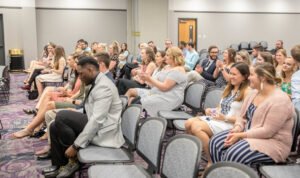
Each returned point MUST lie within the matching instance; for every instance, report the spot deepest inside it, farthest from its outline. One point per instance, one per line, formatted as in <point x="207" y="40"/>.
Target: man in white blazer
<point x="100" y="124"/>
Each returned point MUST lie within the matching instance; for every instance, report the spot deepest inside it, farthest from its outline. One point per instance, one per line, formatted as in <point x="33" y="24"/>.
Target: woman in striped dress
<point x="263" y="132"/>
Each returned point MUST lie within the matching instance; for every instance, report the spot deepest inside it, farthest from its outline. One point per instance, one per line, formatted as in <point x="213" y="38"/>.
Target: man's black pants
<point x="63" y="132"/>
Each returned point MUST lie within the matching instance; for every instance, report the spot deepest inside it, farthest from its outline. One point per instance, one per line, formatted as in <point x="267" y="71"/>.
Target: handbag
<point x="33" y="94"/>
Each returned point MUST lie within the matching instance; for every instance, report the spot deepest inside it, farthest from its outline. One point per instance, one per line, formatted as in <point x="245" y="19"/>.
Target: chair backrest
<point x="129" y="58"/>
<point x="234" y="46"/>
<point x="296" y="129"/>
<point x="129" y="123"/>
<point x="182" y="157"/>
<point x="252" y="44"/>
<point x="230" y="170"/>
<point x="124" y="100"/>
<point x="244" y="45"/>
<point x="202" y="51"/>
<point x="194" y="94"/>
<point x="151" y="133"/>
<point x="264" y="44"/>
<point x="213" y="97"/>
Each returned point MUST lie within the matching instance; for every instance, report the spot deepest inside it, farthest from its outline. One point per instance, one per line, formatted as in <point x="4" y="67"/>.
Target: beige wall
<point x="65" y="27"/>
<point x="233" y="21"/>
<point x="153" y="21"/>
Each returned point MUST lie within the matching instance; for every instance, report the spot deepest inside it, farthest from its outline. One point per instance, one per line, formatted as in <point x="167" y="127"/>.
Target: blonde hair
<point x="245" y="56"/>
<point x="177" y="56"/>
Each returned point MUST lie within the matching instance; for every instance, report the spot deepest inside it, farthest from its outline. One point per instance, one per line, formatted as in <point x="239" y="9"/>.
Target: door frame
<point x="2" y="19"/>
<point x="196" y="30"/>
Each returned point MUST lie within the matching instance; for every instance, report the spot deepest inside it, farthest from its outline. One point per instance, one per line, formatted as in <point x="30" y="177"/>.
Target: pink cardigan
<point x="272" y="123"/>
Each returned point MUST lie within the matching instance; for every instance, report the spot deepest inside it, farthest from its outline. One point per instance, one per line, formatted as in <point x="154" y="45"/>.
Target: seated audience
<point x="264" y="57"/>
<point x="41" y="68"/>
<point x="113" y="51"/>
<point x="160" y="61"/>
<point x="183" y="48"/>
<point x="98" y="125"/>
<point x="102" y="47"/>
<point x="223" y="117"/>
<point x="207" y="68"/>
<point x="295" y="81"/>
<point x="263" y="132"/>
<point x="221" y="72"/>
<point x="255" y="51"/>
<point x="168" y="44"/>
<point x="123" y="55"/>
<point x="243" y="56"/>
<point x="54" y="100"/>
<point x="191" y="57"/>
<point x="279" y="59"/>
<point x="103" y="61"/>
<point x="167" y="91"/>
<point x="148" y="66"/>
<point x="278" y="45"/>
<point x="55" y="74"/>
<point x="288" y="68"/>
<point x="94" y="47"/>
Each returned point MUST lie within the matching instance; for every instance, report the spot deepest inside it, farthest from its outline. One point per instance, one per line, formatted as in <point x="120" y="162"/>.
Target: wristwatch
<point x="75" y="147"/>
<point x="74" y="102"/>
<point x="221" y="69"/>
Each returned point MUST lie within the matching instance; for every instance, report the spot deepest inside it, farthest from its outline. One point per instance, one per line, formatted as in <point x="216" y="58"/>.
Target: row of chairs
<point x="146" y="138"/>
<point x="248" y="46"/>
<point x="198" y="96"/>
<point x="181" y="156"/>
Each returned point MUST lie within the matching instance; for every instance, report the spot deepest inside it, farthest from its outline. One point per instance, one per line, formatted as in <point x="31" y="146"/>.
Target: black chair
<point x="244" y="45"/>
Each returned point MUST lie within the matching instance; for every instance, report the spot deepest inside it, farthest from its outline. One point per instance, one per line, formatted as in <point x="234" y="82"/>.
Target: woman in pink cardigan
<point x="263" y="133"/>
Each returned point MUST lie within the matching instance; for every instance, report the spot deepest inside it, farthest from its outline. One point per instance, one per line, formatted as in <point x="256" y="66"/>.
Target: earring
<point x="261" y="86"/>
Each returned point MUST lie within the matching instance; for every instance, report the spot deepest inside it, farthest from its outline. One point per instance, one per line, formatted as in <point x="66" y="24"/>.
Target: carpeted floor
<point x="17" y="159"/>
<point x="17" y="156"/>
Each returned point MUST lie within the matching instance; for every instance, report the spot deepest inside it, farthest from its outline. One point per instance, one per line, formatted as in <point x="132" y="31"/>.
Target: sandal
<point x="30" y="111"/>
<point x="22" y="133"/>
<point x="44" y="137"/>
<point x="45" y="150"/>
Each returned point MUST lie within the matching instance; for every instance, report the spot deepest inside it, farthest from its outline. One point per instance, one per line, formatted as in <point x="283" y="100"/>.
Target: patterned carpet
<point x="17" y="159"/>
<point x="17" y="156"/>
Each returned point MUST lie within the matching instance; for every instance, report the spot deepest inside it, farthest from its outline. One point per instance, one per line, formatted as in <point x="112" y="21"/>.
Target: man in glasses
<point x="207" y="68"/>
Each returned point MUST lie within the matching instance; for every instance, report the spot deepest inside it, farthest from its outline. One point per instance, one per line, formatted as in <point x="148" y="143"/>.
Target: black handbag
<point x="32" y="95"/>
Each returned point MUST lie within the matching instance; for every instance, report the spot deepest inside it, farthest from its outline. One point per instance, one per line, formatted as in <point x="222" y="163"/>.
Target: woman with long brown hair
<point x="223" y="117"/>
<point x="55" y="74"/>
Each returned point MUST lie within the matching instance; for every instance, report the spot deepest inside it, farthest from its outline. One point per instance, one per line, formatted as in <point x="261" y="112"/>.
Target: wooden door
<point x="187" y="30"/>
